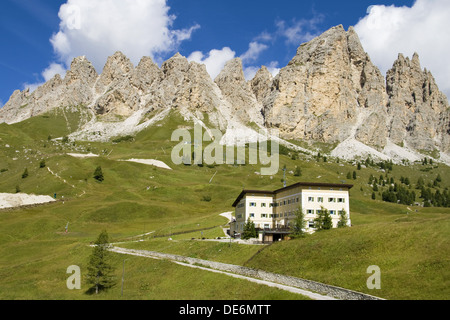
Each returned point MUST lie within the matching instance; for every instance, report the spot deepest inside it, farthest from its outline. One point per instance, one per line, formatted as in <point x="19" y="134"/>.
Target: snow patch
<point x="80" y="155"/>
<point x="150" y="162"/>
<point x="14" y="200"/>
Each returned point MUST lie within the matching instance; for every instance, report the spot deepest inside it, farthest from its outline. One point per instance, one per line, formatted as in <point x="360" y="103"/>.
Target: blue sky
<point x="39" y="38"/>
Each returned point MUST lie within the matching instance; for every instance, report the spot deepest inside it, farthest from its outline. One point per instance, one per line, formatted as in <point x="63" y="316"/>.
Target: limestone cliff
<point x="330" y="92"/>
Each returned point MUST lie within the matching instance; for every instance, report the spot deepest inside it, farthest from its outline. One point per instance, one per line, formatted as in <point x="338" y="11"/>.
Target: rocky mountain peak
<point x="261" y="83"/>
<point x="82" y="70"/>
<point x="330" y="92"/>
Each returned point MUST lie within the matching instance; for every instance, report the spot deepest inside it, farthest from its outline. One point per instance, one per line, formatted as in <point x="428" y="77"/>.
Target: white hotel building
<point x="273" y="212"/>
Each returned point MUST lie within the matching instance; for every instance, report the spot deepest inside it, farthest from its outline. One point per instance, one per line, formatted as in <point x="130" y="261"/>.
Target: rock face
<point x="417" y="109"/>
<point x="330" y="92"/>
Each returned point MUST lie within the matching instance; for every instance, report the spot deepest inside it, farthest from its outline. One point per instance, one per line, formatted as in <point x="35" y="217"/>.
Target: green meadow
<point x="410" y="244"/>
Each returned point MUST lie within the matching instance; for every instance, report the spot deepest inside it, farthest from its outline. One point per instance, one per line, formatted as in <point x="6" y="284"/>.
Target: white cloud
<point x="96" y="29"/>
<point x="47" y="74"/>
<point x="52" y="70"/>
<point x="214" y="61"/>
<point x="253" y="52"/>
<point x="251" y="71"/>
<point x="387" y="31"/>
<point x="273" y="68"/>
<point x="299" y="31"/>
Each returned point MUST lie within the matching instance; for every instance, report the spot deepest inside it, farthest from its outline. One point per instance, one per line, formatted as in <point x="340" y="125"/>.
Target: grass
<point x="411" y="250"/>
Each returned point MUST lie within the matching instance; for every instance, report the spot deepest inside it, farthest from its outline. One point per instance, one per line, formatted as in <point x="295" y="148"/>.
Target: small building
<point x="274" y="212"/>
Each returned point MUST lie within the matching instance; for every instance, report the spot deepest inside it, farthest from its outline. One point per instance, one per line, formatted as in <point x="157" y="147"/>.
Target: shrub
<point x="98" y="174"/>
<point x="206" y="198"/>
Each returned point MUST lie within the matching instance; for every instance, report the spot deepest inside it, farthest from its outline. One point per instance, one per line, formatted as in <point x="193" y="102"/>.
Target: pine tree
<point x="249" y="230"/>
<point x="100" y="271"/>
<point x="343" y="222"/>
<point x="327" y="223"/>
<point x="98" y="174"/>
<point x="323" y="220"/>
<point x="299" y="223"/>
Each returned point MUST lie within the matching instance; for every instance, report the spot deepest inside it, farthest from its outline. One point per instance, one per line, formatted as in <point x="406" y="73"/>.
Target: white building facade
<point x="277" y="209"/>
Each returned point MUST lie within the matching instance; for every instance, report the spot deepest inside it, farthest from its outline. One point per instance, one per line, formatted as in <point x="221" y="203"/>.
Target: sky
<point x="39" y="38"/>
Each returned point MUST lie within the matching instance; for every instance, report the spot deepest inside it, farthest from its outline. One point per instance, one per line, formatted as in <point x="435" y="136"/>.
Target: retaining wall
<point x="324" y="289"/>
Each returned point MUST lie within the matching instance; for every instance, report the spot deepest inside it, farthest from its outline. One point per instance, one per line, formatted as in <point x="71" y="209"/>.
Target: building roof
<point x="244" y="192"/>
<point x="315" y="184"/>
<point x="299" y="184"/>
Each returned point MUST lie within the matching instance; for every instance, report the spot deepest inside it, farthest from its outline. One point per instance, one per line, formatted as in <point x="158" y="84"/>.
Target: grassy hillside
<point x="411" y="247"/>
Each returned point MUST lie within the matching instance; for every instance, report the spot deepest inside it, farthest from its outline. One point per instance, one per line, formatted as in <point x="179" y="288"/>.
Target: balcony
<point x="277" y="230"/>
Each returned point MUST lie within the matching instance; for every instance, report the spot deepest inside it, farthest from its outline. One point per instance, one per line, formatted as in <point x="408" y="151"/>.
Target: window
<point x="252" y="215"/>
<point x="263" y="205"/>
<point x="311" y="224"/>
<point x="331" y="199"/>
<point x="297" y="199"/>
<point x="309" y="211"/>
<point x="239" y="216"/>
<point x="252" y="204"/>
<point x="341" y="200"/>
<point x="332" y="212"/>
<point x="267" y="226"/>
<point x="263" y="215"/>
<point x="320" y="199"/>
<point x="319" y="211"/>
<point x="310" y="199"/>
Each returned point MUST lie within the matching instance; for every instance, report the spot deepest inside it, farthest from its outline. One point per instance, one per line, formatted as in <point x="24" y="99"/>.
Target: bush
<point x="42" y="164"/>
<point x="25" y="174"/>
<point x="124" y="139"/>
<point x="98" y="174"/>
<point x="206" y="198"/>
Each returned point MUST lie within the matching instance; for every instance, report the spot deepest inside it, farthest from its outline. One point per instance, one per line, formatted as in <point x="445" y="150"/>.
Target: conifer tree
<point x="343" y="222"/>
<point x="100" y="271"/>
<point x="299" y="223"/>
<point x="98" y="174"/>
<point x="249" y="230"/>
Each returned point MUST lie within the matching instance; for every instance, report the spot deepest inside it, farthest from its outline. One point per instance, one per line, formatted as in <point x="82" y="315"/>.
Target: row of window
<point x="296" y="200"/>
<point x="292" y="213"/>
<point x="320" y="199"/>
<point x="332" y="212"/>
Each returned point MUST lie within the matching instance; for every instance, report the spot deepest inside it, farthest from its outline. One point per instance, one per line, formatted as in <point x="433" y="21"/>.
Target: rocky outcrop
<point x="330" y="92"/>
<point x="235" y="89"/>
<point x="417" y="109"/>
<point x="321" y="93"/>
